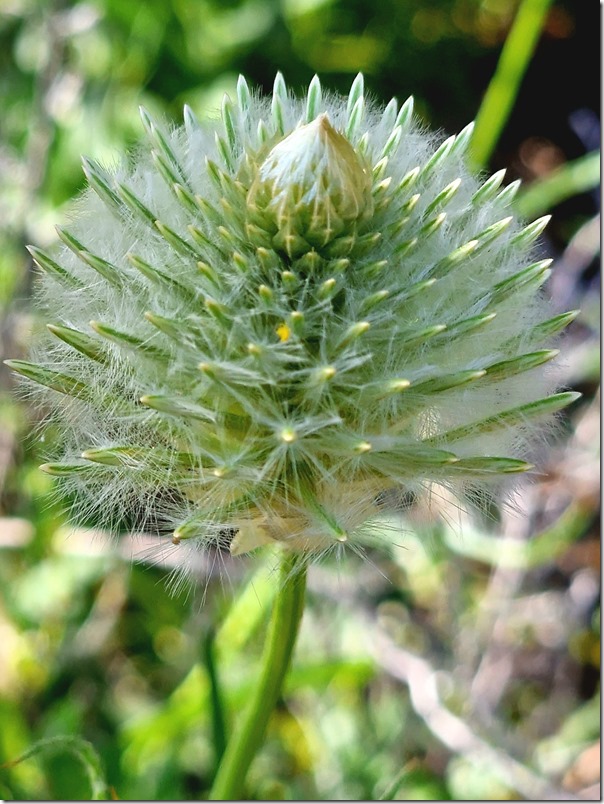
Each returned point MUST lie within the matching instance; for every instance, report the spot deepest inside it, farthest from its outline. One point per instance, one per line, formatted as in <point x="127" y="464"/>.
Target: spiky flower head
<point x="261" y="328"/>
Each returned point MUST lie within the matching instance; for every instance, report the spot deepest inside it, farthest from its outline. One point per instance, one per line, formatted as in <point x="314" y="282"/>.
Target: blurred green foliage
<point x="94" y="648"/>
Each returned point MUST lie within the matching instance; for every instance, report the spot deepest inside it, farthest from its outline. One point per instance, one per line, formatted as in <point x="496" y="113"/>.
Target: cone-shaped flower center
<point x="312" y="187"/>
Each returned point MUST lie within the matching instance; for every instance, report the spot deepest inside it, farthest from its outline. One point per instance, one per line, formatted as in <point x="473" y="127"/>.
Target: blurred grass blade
<point x="399" y="780"/>
<point x="578" y="176"/>
<point x="503" y="88"/>
<point x="219" y="730"/>
<point x="79" y="748"/>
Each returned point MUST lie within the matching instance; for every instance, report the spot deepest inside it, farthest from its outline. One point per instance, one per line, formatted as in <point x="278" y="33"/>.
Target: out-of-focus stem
<point x="503" y="89"/>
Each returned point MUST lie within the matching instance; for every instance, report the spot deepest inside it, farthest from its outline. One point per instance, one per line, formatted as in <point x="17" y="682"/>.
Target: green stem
<point x="283" y="630"/>
<point x="503" y="89"/>
<point x="572" y="178"/>
<point x="216" y="703"/>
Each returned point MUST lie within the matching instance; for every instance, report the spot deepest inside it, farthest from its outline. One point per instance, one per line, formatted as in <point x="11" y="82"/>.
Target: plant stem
<point x="572" y="178"/>
<point x="216" y="702"/>
<point x="505" y="84"/>
<point x="283" y="631"/>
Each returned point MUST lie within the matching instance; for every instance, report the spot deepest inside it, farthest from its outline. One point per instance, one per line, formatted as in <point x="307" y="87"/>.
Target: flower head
<point x="262" y="327"/>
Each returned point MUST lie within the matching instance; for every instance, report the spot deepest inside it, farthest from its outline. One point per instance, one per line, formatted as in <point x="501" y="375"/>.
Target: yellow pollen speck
<point x="284" y="332"/>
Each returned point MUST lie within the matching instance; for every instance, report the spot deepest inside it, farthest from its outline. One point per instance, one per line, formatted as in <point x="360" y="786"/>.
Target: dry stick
<point x="451" y="730"/>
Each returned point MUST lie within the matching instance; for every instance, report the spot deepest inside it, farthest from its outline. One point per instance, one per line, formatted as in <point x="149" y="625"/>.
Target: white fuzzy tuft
<point x="261" y="328"/>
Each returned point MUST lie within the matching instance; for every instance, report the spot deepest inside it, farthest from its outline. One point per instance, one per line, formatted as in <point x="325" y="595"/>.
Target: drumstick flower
<point x="257" y="327"/>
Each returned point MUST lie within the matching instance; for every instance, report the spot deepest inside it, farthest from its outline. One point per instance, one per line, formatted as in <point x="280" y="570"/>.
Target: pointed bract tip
<point x="323" y="122"/>
<point x="288" y="435"/>
<point x="356" y="88"/>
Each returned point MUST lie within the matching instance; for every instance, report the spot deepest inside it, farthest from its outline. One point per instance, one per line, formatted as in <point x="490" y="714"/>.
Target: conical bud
<point x="311" y="188"/>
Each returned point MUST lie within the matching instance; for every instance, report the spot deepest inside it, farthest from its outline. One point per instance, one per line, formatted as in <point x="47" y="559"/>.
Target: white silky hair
<point x="234" y="382"/>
